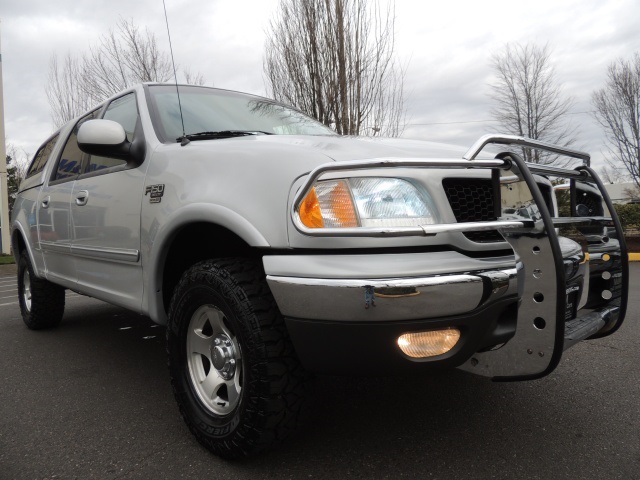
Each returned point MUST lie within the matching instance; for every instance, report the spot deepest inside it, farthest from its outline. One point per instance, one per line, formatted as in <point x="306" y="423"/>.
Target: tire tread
<point x="47" y="299"/>
<point x="280" y="382"/>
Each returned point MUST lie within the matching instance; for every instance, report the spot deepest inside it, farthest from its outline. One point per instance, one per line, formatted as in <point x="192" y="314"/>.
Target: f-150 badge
<point x="155" y="192"/>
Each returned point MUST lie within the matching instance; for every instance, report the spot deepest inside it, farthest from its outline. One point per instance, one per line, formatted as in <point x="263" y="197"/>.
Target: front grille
<point x="592" y="201"/>
<point x="547" y="193"/>
<point x="472" y="200"/>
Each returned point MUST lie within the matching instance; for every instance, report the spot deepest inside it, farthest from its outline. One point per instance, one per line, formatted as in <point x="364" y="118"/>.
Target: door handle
<point x="45" y="202"/>
<point x="82" y="197"/>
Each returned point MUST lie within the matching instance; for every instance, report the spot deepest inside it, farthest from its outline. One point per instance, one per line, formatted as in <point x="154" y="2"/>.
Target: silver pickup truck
<point x="271" y="247"/>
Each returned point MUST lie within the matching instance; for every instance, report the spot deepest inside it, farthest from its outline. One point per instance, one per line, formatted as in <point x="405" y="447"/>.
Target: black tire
<point x="41" y="302"/>
<point x="228" y="301"/>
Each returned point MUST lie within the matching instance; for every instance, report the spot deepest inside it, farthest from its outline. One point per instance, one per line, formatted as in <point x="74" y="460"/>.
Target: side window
<point x="41" y="157"/>
<point x="124" y="111"/>
<point x="71" y="158"/>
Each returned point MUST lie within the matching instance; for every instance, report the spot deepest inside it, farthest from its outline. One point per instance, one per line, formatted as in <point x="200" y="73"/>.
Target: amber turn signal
<point x="328" y="205"/>
<point x="310" y="213"/>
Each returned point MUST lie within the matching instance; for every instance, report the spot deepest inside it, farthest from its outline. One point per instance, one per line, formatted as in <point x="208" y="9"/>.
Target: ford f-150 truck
<point x="272" y="248"/>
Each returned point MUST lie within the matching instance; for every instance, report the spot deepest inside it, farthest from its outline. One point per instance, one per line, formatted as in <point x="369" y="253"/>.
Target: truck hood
<point x="340" y="148"/>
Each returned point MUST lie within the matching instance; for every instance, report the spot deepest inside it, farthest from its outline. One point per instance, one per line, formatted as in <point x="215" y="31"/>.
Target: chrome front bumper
<point x="391" y="299"/>
<point x="393" y="287"/>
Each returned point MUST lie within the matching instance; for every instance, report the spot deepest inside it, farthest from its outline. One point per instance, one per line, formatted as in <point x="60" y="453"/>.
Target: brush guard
<point x="550" y="316"/>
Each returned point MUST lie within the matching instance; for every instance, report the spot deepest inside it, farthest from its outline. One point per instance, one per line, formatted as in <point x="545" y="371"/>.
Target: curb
<point x="634" y="257"/>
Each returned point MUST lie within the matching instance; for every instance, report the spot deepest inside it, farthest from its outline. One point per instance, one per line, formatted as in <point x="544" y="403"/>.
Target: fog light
<point x="428" y="344"/>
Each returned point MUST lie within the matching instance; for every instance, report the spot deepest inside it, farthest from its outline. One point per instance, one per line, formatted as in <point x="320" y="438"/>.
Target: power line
<point x="451" y="123"/>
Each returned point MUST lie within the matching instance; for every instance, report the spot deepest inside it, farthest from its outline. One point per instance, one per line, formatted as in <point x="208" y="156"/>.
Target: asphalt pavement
<point x="91" y="399"/>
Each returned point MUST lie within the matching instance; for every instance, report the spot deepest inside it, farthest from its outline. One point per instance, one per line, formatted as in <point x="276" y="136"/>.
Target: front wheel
<point x="235" y="375"/>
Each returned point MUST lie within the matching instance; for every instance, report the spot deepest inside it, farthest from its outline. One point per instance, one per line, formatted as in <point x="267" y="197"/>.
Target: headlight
<point x="366" y="202"/>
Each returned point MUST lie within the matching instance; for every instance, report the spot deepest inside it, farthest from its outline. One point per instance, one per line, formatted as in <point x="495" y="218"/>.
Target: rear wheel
<point x="41" y="302"/>
<point x="235" y="375"/>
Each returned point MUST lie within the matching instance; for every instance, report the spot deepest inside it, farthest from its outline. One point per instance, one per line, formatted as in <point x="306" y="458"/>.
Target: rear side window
<point x="41" y="157"/>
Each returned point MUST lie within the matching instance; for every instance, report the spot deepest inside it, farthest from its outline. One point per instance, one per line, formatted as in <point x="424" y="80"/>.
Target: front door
<point x="105" y="211"/>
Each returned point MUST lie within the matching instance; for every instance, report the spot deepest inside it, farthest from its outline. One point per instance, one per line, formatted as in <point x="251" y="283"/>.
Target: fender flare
<point x="17" y="229"/>
<point x="157" y="247"/>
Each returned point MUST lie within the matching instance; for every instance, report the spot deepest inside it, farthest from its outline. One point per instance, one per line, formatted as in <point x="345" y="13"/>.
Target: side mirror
<point x="107" y="138"/>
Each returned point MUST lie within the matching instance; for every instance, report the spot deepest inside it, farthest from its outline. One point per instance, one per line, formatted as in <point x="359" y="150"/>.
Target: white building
<point x="626" y="192"/>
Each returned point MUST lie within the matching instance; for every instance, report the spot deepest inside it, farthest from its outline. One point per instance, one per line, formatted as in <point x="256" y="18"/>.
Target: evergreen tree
<point x="14" y="178"/>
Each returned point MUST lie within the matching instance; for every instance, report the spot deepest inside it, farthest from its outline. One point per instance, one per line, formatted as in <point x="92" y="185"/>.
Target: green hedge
<point x="6" y="259"/>
<point x="629" y="215"/>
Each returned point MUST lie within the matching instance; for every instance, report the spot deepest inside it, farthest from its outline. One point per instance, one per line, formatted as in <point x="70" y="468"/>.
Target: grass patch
<point x="6" y="259"/>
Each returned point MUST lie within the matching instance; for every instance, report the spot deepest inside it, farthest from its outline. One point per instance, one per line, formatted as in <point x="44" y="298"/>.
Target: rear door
<point x="54" y="214"/>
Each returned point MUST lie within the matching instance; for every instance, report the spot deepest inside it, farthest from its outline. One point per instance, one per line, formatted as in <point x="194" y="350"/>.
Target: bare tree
<point x="193" y="78"/>
<point x="65" y="89"/>
<point x="618" y="112"/>
<point x="528" y="99"/>
<point x="611" y="173"/>
<point x="333" y="59"/>
<point x="123" y="57"/>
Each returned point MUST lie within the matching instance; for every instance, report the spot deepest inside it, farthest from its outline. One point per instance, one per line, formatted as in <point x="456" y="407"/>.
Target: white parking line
<point x="68" y="296"/>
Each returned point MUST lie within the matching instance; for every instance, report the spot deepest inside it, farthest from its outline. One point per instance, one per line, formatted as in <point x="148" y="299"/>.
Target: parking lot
<point x="92" y="399"/>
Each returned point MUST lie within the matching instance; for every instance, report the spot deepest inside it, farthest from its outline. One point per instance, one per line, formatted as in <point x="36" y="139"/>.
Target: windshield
<point x="210" y="110"/>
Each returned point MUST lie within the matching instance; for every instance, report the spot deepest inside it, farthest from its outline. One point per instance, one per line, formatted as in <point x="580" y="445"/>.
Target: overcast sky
<point x="446" y="47"/>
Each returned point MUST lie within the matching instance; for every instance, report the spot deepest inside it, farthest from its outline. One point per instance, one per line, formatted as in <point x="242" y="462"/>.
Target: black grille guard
<point x="542" y="333"/>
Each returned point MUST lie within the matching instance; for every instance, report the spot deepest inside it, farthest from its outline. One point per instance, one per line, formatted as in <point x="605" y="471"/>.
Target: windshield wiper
<point x="220" y="134"/>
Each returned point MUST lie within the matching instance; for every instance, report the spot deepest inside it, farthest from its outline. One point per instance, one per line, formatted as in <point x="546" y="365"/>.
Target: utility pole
<point x="4" y="190"/>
